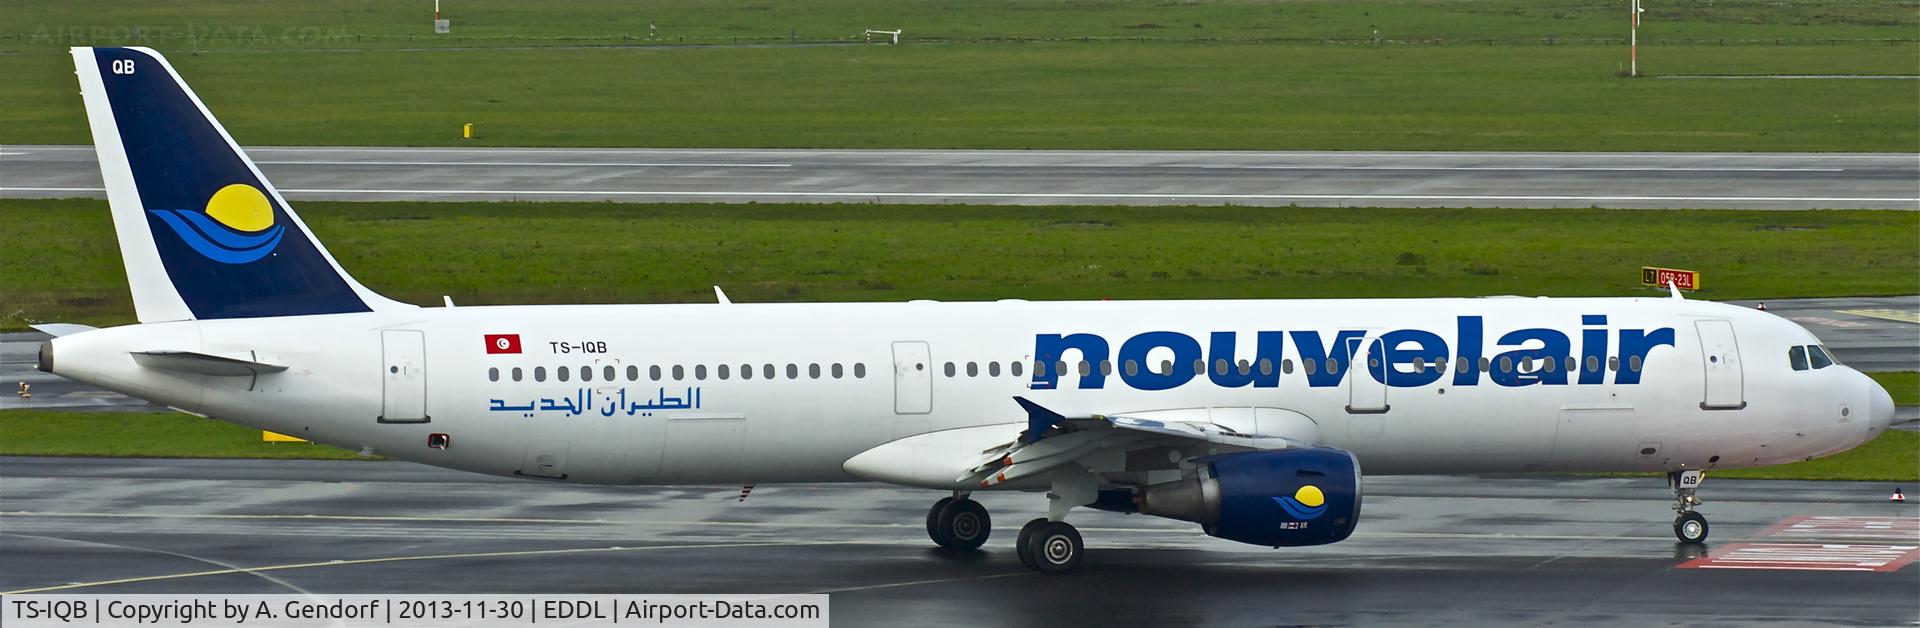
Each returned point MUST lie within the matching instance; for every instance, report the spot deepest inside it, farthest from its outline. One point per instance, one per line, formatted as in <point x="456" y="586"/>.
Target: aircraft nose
<point x="1882" y="407"/>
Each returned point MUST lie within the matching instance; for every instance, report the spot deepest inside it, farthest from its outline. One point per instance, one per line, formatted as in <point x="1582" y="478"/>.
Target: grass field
<point x="61" y="261"/>
<point x="1892" y="457"/>
<point x="143" y="434"/>
<point x="1904" y="386"/>
<point x="1221" y="90"/>
<point x="362" y="23"/>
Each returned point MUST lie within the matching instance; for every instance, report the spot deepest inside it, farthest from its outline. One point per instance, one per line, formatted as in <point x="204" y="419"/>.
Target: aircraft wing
<point x="1052" y="440"/>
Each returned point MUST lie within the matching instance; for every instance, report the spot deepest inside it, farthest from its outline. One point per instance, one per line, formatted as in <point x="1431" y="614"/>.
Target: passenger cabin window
<point x="539" y="373"/>
<point x="1014" y="368"/>
<point x="837" y="371"/>
<point x="562" y="373"/>
<point x="949" y="369"/>
<point x="813" y="371"/>
<point x="722" y="371"/>
<point x="493" y="374"/>
<point x="993" y="369"/>
<point x="607" y="373"/>
<point x="1797" y="356"/>
<point x="654" y="372"/>
<point x="516" y="373"/>
<point x="586" y="373"/>
<point x="860" y="370"/>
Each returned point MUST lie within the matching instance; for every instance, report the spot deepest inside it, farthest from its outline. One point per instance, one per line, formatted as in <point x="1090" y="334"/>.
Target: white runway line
<point x="588" y="164"/>
<point x="530" y="164"/>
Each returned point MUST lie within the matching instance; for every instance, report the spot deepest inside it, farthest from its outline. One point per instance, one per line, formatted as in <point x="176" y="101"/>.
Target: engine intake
<point x="1285" y="498"/>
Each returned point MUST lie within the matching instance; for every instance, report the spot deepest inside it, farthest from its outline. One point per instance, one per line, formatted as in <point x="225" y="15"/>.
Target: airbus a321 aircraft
<point x="1250" y="418"/>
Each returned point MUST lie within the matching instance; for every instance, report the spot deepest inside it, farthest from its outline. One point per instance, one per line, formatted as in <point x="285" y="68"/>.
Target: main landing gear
<point x="959" y="523"/>
<point x="1047" y="545"/>
<point x="1050" y="546"/>
<point x="1690" y="526"/>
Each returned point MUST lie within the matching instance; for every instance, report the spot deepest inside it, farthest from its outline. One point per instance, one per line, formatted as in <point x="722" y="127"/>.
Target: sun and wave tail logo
<point x="237" y="226"/>
<point x="1306" y="503"/>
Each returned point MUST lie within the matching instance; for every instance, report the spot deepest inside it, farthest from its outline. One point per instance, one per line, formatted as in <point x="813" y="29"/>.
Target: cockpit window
<point x="1798" y="356"/>
<point x="1820" y="358"/>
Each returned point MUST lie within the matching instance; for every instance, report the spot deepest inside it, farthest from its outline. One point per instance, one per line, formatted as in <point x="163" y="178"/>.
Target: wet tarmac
<point x="1430" y="549"/>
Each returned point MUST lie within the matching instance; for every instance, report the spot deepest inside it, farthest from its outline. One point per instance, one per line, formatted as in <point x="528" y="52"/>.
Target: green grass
<point x="171" y="435"/>
<point x="1893" y="457"/>
<point x="246" y="24"/>
<point x="1903" y="385"/>
<point x="61" y="262"/>
<point x="143" y="434"/>
<point x="1231" y="88"/>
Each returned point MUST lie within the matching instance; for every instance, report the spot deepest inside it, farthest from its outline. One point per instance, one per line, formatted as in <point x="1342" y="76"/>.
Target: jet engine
<point x="1280" y="498"/>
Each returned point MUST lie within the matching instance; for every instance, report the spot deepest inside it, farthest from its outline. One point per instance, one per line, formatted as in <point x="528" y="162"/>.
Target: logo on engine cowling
<point x="1306" y="503"/>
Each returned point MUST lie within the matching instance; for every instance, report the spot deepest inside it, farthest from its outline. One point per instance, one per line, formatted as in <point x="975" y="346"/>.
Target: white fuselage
<point x="882" y="375"/>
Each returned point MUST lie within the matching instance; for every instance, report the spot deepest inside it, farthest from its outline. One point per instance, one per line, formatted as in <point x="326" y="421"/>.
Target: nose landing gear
<point x="1689" y="526"/>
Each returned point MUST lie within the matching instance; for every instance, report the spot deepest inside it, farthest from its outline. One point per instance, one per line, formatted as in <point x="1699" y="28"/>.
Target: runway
<point x="1430" y="550"/>
<point x="1322" y="179"/>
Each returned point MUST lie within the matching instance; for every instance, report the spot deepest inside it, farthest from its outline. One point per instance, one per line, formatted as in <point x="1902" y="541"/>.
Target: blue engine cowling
<point x="1275" y="498"/>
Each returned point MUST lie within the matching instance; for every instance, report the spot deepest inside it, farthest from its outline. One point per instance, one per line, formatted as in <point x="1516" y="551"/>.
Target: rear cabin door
<point x="912" y="378"/>
<point x="1720" y="356"/>
<point x="403" y="367"/>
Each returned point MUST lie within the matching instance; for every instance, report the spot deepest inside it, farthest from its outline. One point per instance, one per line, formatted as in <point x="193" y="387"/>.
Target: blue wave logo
<point x="1306" y="503"/>
<point x="237" y="226"/>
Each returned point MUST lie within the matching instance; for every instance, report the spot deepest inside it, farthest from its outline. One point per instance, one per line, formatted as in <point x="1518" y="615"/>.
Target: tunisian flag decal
<point x="503" y="343"/>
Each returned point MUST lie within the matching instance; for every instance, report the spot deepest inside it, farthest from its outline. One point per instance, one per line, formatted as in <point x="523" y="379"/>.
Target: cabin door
<point x="1720" y="356"/>
<point x="403" y="369"/>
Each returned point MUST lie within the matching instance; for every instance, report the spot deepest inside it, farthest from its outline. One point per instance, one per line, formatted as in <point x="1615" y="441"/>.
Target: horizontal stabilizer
<point x="203" y="363"/>
<point x="62" y="329"/>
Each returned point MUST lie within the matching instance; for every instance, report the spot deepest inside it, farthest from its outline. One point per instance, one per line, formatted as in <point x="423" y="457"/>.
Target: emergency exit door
<point x="403" y="369"/>
<point x="912" y="378"/>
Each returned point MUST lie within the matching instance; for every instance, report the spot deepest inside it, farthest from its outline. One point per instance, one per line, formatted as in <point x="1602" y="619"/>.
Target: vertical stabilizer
<point x="202" y="233"/>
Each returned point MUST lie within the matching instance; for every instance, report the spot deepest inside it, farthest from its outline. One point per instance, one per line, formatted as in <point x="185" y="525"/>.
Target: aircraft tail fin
<point x="202" y="233"/>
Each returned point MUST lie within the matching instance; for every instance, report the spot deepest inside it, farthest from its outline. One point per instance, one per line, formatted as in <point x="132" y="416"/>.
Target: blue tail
<point x="202" y="232"/>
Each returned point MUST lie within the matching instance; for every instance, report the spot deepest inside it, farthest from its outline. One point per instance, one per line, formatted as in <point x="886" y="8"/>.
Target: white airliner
<point x="1251" y="418"/>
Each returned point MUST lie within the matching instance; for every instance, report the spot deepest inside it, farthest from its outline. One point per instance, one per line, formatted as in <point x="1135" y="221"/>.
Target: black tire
<point x="1690" y="528"/>
<point x="933" y="517"/>
<point x="963" y="524"/>
<point x="1056" y="548"/>
<point x="1020" y="544"/>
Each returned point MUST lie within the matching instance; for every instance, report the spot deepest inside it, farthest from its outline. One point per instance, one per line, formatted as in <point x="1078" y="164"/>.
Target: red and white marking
<point x="1883" y="528"/>
<point x="1807" y="557"/>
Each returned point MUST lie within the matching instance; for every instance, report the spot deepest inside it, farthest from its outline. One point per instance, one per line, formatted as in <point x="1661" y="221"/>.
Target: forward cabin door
<point x="912" y="378"/>
<point x="1720" y="356"/>
<point x="403" y="368"/>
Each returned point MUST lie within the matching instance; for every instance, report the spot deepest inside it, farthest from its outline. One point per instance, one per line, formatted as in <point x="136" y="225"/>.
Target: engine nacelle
<point x="1281" y="498"/>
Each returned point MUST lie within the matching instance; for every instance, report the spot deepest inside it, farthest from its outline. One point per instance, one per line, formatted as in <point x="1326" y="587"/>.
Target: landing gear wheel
<point x="933" y="517"/>
<point x="1020" y="545"/>
<point x="1690" y="527"/>
<point x="1055" y="548"/>
<point x="961" y="524"/>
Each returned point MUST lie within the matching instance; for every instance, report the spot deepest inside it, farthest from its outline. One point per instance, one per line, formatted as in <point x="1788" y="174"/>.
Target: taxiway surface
<point x="1335" y="179"/>
<point x="1430" y="550"/>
